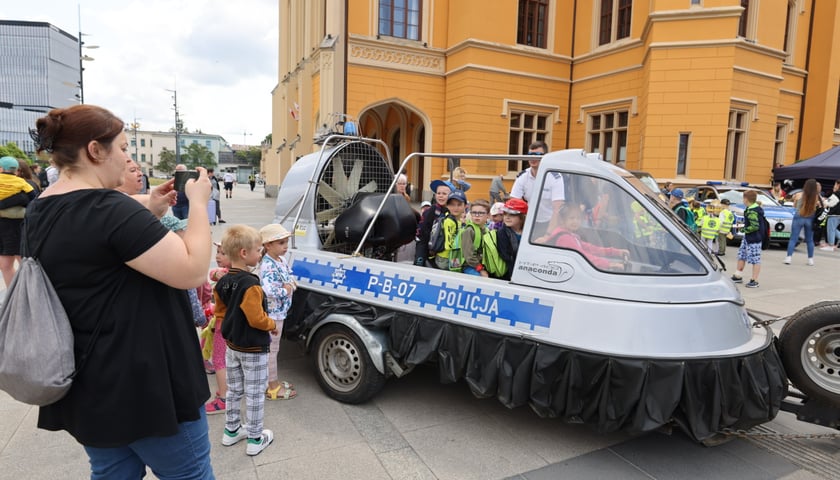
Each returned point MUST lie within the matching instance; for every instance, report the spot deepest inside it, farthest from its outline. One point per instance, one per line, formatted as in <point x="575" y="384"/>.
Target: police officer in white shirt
<point x="553" y="191"/>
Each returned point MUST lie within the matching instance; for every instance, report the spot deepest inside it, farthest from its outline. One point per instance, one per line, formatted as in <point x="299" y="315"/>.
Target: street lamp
<point x="83" y="58"/>
<point x="178" y="125"/>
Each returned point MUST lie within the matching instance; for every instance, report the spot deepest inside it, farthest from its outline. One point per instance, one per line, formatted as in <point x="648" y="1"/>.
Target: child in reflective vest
<point x="709" y="230"/>
<point x="727" y="218"/>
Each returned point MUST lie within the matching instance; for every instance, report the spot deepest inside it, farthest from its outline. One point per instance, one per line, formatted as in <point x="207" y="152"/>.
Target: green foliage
<point x="12" y="150"/>
<point x="251" y="156"/>
<point x="166" y="161"/>
<point x="197" y="155"/>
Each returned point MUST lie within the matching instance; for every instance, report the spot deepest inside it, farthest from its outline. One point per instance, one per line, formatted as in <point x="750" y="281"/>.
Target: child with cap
<point x="678" y="205"/>
<point x="456" y="205"/>
<point x="245" y="328"/>
<point x="18" y="193"/>
<point x="277" y="283"/>
<point x="726" y="218"/>
<point x="441" y="189"/>
<point x="497" y="216"/>
<point x="510" y="234"/>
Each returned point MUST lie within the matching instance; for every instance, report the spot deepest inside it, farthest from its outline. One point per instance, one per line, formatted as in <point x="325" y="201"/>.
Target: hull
<point x="609" y="393"/>
<point x="606" y="363"/>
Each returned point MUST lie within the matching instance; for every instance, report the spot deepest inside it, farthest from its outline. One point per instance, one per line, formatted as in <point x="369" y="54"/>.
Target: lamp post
<point x="178" y="125"/>
<point x="135" y="126"/>
<point x="83" y="58"/>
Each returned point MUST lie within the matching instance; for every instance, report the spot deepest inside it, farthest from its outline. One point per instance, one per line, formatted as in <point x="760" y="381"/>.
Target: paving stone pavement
<point x="417" y="428"/>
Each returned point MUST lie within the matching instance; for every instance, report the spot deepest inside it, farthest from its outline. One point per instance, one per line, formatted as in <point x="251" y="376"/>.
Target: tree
<point x="197" y="155"/>
<point x="12" y="150"/>
<point x="251" y="156"/>
<point x="166" y="161"/>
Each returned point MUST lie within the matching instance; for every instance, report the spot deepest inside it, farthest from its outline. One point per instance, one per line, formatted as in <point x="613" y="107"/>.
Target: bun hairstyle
<point x="64" y="131"/>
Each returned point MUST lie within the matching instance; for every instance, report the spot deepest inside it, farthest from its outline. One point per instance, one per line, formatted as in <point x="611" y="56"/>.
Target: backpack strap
<point x="24" y="247"/>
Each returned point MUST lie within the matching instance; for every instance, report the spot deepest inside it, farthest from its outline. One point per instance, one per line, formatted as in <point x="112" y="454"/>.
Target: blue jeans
<point x="831" y="225"/>
<point x="185" y="455"/>
<point x="798" y="224"/>
<point x="181" y="211"/>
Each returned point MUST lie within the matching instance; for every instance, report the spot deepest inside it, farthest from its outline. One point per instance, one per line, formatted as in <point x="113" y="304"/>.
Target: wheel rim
<point x="340" y="363"/>
<point x="821" y="357"/>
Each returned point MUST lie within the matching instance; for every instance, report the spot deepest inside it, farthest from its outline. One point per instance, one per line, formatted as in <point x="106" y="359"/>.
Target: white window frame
<point x="596" y="31"/>
<point x="751" y="21"/>
<point x="613" y="133"/>
<point x="527" y="134"/>
<point x="736" y="144"/>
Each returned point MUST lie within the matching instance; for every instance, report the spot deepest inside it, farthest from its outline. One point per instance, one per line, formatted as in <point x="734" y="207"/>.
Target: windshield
<point x="648" y="181"/>
<point x="609" y="228"/>
<point x="737" y="196"/>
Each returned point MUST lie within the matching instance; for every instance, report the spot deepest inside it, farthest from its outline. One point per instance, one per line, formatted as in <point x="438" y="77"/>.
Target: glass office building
<point x="40" y="71"/>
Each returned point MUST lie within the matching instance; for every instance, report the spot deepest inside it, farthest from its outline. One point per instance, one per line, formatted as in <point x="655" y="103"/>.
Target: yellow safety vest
<point x="710" y="228"/>
<point x="728" y="218"/>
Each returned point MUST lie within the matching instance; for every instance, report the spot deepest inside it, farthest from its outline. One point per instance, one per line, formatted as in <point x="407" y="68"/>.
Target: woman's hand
<point x="198" y="190"/>
<point x="162" y="197"/>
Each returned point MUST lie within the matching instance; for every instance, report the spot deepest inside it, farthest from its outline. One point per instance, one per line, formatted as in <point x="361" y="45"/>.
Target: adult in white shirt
<point x="229" y="178"/>
<point x="553" y="192"/>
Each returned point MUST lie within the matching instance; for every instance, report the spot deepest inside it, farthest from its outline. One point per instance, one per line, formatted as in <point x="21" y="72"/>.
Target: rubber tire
<point x="351" y="377"/>
<point x="798" y="330"/>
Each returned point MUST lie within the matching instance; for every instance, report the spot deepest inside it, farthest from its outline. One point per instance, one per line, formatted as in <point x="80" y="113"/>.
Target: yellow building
<point x="684" y="89"/>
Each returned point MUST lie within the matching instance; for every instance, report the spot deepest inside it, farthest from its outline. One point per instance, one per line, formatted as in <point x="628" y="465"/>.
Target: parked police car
<point x="779" y="217"/>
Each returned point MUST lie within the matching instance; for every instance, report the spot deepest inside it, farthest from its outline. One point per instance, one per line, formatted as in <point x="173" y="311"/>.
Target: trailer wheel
<point x="810" y="348"/>
<point x="343" y="367"/>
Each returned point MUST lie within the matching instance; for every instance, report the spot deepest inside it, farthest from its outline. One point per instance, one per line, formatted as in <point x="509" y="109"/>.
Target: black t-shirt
<point x="145" y="373"/>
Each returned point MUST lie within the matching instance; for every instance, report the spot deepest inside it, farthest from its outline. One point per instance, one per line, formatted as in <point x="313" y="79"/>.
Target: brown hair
<point x="538" y="144"/>
<point x="481" y="203"/>
<point x="25" y="173"/>
<point x="64" y="131"/>
<point x="750" y="196"/>
<point x="808" y="200"/>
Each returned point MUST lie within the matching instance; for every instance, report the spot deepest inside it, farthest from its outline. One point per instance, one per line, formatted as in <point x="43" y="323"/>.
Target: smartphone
<point x="181" y="178"/>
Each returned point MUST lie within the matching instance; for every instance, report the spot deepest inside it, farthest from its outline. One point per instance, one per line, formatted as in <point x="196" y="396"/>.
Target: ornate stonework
<point x="396" y="57"/>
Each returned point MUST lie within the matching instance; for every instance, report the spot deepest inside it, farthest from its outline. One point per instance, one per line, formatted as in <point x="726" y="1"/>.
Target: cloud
<point x="221" y="56"/>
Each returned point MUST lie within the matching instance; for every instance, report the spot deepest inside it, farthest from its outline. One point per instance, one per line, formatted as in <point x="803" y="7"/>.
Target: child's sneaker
<point x="752" y="284"/>
<point x="257" y="445"/>
<point x="787" y="261"/>
<point x="208" y="367"/>
<point x="737" y="279"/>
<point x="811" y="262"/>
<point x="216" y="406"/>
<point x="232" y="438"/>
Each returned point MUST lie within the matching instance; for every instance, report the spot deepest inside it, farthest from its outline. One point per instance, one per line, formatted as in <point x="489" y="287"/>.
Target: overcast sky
<point x="220" y="55"/>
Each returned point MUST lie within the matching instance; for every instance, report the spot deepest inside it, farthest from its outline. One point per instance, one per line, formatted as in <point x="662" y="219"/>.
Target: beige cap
<point x="272" y="232"/>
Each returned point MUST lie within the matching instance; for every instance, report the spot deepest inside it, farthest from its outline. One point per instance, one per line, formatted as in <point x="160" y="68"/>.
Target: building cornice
<point x="505" y="71"/>
<point x="519" y="50"/>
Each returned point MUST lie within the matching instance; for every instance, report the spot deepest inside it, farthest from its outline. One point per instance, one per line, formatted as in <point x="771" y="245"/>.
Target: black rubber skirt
<point x="610" y="393"/>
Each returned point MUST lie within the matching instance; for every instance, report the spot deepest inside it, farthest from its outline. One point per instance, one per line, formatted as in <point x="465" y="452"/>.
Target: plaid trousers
<point x="247" y="374"/>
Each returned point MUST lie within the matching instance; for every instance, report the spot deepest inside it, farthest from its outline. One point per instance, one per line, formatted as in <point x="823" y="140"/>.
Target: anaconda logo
<point x="552" y="272"/>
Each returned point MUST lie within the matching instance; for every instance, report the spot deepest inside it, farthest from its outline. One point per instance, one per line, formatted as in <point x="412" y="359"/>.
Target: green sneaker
<point x="257" y="445"/>
<point x="232" y="438"/>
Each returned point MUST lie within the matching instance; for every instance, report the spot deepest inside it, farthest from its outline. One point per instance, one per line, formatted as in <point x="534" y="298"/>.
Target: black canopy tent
<point x="824" y="167"/>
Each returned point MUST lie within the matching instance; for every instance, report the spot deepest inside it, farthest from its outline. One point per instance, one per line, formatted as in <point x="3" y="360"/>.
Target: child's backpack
<point x="764" y="230"/>
<point x="494" y="264"/>
<point x="456" y="254"/>
<point x="437" y="239"/>
<point x="689" y="218"/>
